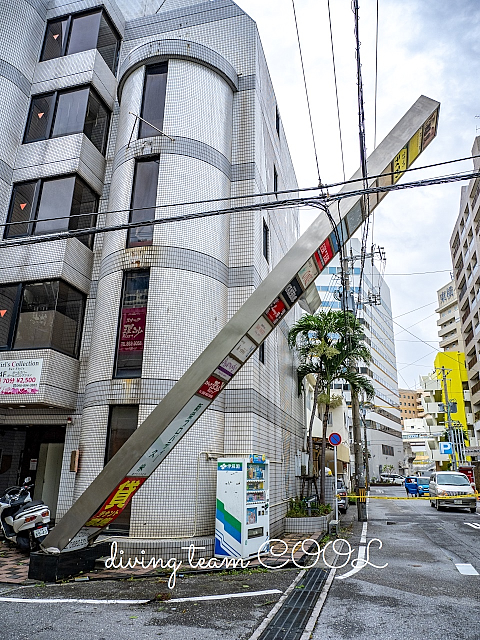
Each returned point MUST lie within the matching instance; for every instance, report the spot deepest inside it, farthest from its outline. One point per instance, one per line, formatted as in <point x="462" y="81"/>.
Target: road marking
<point x="361" y="555"/>
<point x="475" y="525"/>
<point x="226" y="596"/>
<point x="246" y="594"/>
<point x="467" y="569"/>
<point x="70" y="600"/>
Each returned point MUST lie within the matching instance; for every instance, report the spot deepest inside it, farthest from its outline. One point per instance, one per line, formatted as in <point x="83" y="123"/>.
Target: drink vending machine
<point x="242" y="522"/>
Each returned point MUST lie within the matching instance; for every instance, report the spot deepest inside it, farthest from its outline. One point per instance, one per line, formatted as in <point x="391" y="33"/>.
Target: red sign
<point x="325" y="251"/>
<point x="335" y="439"/>
<point x="211" y="388"/>
<point x="116" y="502"/>
<point x="318" y="260"/>
<point x="276" y="311"/>
<point x="133" y="329"/>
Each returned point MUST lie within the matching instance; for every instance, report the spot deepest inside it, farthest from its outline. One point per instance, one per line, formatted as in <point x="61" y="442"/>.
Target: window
<point x="63" y="113"/>
<point x="261" y="353"/>
<point x="277" y="120"/>
<point x="266" y="240"/>
<point x="82" y="32"/>
<point x="153" y="104"/>
<point x="51" y="206"/>
<point x="42" y="315"/>
<point x="144" y="200"/>
<point x="122" y="422"/>
<point x="387" y="450"/>
<point x="275" y="181"/>
<point x="133" y="316"/>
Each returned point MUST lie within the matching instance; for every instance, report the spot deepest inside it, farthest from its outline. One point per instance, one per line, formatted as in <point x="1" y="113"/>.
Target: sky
<point x="429" y="47"/>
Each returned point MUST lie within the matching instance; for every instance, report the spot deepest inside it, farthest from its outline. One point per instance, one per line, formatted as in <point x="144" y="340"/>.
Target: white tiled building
<point x="449" y="326"/>
<point x="114" y="319"/>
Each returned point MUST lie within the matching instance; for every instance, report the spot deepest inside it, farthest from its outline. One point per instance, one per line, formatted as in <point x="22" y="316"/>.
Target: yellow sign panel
<point x="399" y="164"/>
<point x="415" y="146"/>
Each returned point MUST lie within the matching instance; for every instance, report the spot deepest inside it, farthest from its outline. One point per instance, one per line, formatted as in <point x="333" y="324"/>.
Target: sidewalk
<point x="14" y="564"/>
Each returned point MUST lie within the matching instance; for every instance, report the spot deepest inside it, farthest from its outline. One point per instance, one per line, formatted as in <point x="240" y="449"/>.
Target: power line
<point x="306" y="94"/>
<point x="419" y="273"/>
<point x="336" y="88"/>
<point x="417" y="309"/>
<point x="317" y="202"/>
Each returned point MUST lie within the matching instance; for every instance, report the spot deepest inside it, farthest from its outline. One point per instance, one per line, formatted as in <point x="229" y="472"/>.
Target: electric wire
<point x="417" y="309"/>
<point x="336" y="88"/>
<point x="317" y="202"/>
<point x="306" y="94"/>
<point x="286" y="191"/>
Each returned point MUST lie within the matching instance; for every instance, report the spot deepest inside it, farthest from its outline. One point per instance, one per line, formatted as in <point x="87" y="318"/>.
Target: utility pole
<point x="451" y="435"/>
<point x="365" y="448"/>
<point x="360" y="491"/>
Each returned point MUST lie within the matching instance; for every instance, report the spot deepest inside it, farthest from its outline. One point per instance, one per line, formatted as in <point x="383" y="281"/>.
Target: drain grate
<point x="290" y="620"/>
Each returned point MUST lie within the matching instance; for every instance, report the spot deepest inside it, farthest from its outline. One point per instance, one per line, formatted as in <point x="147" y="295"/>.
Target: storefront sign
<point x="133" y="329"/>
<point x="20" y="376"/>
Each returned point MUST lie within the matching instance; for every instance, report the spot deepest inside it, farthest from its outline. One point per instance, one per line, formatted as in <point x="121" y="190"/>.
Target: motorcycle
<point x="22" y="520"/>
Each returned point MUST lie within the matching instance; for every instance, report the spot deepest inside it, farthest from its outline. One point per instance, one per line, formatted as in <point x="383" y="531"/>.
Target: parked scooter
<point x="22" y="520"/>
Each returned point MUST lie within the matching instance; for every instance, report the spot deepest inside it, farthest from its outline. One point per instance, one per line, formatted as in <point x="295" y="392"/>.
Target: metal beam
<point x="111" y="490"/>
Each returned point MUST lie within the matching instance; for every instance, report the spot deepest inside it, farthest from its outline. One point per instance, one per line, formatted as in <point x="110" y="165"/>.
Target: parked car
<point x="445" y="485"/>
<point x="411" y="486"/>
<point x="342" y="496"/>
<point x="423" y="483"/>
<point x="394" y="478"/>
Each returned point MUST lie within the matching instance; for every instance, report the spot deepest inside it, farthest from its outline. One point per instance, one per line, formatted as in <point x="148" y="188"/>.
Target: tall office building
<point x="113" y="115"/>
<point x="465" y="251"/>
<point x="383" y="424"/>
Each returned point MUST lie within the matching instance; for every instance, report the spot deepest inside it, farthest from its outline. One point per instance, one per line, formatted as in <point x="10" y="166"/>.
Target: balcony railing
<point x="465" y="315"/>
<point x="469" y="338"/>
<point x="471" y="363"/>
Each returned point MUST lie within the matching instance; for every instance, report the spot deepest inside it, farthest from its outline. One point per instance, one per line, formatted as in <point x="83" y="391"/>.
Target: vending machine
<point x="242" y="522"/>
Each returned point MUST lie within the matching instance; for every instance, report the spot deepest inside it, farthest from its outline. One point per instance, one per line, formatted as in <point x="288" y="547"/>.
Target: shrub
<point x="298" y="508"/>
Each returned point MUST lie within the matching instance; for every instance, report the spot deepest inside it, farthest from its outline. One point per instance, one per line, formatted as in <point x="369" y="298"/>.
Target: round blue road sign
<point x="335" y="439"/>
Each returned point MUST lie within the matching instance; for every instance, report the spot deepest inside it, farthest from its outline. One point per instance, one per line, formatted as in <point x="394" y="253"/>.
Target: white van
<point x="394" y="478"/>
<point x="445" y="485"/>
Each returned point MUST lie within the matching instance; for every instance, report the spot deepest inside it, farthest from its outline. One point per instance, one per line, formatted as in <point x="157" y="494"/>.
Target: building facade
<point x="465" y="250"/>
<point x="434" y="399"/>
<point x="449" y="326"/>
<point x="129" y="116"/>
<point x="383" y="424"/>
<point x="410" y="404"/>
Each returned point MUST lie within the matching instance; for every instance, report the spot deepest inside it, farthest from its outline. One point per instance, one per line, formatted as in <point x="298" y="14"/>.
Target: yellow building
<point x="457" y="390"/>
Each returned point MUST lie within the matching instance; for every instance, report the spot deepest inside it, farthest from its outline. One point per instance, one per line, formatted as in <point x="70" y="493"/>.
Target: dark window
<point x="42" y="315"/>
<point x="40" y="118"/>
<point x="52" y="206"/>
<point x="153" y="104"/>
<point x="9" y="298"/>
<point x="275" y="181"/>
<point x="131" y="331"/>
<point x="266" y="240"/>
<point x="144" y="199"/>
<point x="277" y="120"/>
<point x="122" y="423"/>
<point x="387" y="450"/>
<point x="82" y="32"/>
<point x="67" y="112"/>
<point x="261" y="353"/>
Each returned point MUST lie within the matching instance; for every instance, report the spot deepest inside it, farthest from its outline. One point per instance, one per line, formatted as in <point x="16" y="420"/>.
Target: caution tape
<point x="361" y="497"/>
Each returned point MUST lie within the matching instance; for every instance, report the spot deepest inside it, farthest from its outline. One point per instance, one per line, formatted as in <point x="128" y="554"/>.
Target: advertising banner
<point x="20" y="376"/>
<point x="133" y="329"/>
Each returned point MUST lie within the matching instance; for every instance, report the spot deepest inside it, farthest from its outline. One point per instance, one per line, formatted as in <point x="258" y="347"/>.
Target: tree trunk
<point x="322" y="458"/>
<point x="316" y="392"/>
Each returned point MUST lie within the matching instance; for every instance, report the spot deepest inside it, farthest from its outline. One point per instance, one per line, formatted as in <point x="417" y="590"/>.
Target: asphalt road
<point x="421" y="594"/>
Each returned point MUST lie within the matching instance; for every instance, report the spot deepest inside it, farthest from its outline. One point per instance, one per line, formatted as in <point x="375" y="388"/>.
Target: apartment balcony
<point x="469" y="338"/>
<point x="471" y="363"/>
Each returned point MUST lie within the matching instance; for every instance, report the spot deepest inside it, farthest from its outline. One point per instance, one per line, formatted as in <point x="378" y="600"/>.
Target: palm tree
<point x="329" y="345"/>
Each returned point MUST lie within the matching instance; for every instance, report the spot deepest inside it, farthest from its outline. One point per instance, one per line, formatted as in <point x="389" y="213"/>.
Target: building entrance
<point x="34" y="451"/>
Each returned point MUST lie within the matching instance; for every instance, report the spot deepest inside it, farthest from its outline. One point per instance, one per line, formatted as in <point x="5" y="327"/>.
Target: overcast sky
<point x="429" y="47"/>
